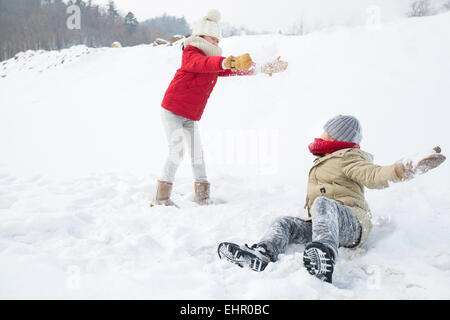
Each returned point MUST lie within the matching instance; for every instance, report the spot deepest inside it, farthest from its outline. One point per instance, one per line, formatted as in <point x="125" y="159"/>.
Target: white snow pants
<point x="179" y="129"/>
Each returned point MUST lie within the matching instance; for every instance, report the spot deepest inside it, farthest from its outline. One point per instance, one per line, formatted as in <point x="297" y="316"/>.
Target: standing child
<point x="186" y="98"/>
<point x="338" y="212"/>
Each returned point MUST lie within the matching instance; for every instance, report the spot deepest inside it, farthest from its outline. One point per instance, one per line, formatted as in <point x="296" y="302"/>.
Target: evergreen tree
<point x="42" y="25"/>
<point x="112" y="10"/>
<point x="131" y="20"/>
<point x="131" y="23"/>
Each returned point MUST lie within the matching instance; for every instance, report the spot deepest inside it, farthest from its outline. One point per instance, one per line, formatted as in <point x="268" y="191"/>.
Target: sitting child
<point x="337" y="209"/>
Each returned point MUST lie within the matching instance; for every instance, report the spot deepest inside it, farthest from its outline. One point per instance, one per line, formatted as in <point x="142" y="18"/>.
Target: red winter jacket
<point x="193" y="83"/>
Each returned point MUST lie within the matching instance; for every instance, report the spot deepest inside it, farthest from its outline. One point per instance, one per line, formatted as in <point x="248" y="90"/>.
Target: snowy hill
<point x="82" y="146"/>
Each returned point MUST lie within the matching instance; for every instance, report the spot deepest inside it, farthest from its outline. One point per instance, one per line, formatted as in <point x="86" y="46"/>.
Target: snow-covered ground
<point x="81" y="147"/>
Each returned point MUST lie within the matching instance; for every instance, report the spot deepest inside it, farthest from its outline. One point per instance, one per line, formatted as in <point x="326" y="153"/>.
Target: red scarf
<point x="323" y="147"/>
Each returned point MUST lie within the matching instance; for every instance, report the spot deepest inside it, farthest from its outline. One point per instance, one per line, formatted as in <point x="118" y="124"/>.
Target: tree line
<point x="43" y="25"/>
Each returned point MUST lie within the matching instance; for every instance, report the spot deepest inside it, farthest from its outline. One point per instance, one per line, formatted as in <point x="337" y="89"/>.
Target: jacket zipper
<point x="316" y="163"/>
<point x="204" y="101"/>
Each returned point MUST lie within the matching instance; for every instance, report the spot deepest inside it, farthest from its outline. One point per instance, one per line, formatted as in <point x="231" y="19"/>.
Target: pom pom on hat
<point x="214" y="15"/>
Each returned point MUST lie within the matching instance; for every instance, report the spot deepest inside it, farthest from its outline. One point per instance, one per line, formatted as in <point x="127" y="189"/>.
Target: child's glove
<point x="243" y="62"/>
<point x="407" y="168"/>
<point x="275" y="66"/>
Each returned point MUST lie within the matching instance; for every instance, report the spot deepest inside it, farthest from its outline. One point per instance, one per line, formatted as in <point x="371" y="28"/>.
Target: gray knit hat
<point x="344" y="128"/>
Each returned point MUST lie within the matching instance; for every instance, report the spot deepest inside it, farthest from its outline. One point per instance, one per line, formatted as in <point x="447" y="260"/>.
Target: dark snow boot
<point x="255" y="258"/>
<point x="319" y="260"/>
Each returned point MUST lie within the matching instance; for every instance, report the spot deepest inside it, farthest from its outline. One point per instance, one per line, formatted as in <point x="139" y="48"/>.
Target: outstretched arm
<point x="195" y="61"/>
<point x="237" y="66"/>
<point x="363" y="171"/>
<point x="269" y="68"/>
<point x="373" y="176"/>
<point x="229" y="73"/>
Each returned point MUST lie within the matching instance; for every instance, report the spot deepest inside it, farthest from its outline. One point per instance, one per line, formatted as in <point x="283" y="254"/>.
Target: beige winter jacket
<point x="342" y="176"/>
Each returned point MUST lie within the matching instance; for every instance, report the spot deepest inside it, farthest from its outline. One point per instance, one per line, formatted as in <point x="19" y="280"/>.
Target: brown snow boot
<point x="162" y="197"/>
<point x="202" y="193"/>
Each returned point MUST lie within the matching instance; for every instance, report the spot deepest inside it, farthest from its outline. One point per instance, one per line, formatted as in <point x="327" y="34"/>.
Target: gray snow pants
<point x="332" y="224"/>
<point x="179" y="129"/>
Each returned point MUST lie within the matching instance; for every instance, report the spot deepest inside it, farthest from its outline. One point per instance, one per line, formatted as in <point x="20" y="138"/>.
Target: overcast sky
<point x="266" y="15"/>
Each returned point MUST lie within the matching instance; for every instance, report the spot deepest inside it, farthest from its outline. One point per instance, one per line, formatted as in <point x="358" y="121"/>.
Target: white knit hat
<point x="209" y="25"/>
